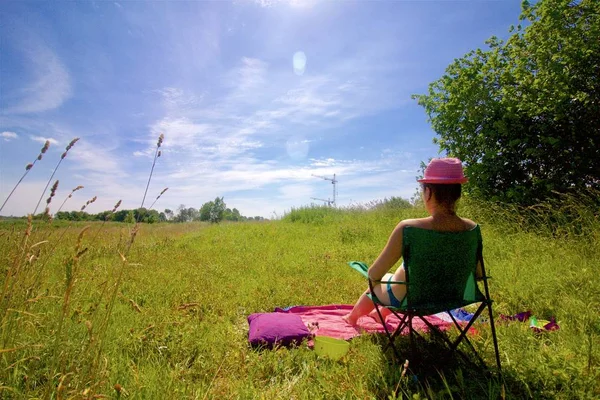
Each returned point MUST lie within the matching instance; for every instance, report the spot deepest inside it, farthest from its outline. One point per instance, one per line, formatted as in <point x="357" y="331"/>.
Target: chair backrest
<point x="440" y="268"/>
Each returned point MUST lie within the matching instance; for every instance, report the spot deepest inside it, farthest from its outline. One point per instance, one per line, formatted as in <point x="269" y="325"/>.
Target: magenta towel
<point x="327" y="321"/>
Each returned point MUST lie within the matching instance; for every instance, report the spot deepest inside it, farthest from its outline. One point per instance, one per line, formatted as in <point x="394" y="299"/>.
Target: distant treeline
<point x="213" y="211"/>
<point x="183" y="214"/>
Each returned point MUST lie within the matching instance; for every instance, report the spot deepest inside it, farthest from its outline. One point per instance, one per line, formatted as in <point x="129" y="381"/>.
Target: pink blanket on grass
<point x="327" y="321"/>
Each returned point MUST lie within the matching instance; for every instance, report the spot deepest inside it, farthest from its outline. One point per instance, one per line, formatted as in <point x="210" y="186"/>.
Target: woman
<point x="441" y="189"/>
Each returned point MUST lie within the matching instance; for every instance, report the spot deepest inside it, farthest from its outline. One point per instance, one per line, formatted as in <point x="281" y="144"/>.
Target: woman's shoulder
<point x="459" y="225"/>
<point x="469" y="224"/>
<point x="424" y="223"/>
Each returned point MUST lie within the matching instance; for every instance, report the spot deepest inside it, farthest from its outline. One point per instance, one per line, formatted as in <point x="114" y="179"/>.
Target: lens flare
<point x="299" y="62"/>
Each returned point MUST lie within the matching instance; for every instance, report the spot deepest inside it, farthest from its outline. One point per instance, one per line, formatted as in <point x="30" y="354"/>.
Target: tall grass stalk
<point x="28" y="167"/>
<point x="62" y="157"/>
<point x="8" y="289"/>
<point x="196" y="284"/>
<point x="158" y="197"/>
<point x="106" y="218"/>
<point x="156" y="156"/>
<point x="79" y="187"/>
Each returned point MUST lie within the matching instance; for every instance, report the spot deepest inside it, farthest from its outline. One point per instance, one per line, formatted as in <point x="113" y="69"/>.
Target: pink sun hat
<point x="444" y="171"/>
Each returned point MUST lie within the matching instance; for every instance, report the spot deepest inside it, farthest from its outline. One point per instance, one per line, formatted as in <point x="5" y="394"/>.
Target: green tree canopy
<point x="213" y="211"/>
<point x="524" y="115"/>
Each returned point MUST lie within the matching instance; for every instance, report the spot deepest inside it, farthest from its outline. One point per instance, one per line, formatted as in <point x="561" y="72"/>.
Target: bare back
<point x="447" y="223"/>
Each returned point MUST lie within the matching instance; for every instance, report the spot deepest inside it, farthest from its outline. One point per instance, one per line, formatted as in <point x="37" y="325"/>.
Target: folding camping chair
<point x="440" y="277"/>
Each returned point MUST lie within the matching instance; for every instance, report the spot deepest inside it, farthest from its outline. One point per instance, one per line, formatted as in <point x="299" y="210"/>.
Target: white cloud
<point x="323" y="163"/>
<point x="50" y="85"/>
<point x="293" y="3"/>
<point x="176" y="100"/>
<point x="212" y="143"/>
<point x="42" y="139"/>
<point x="96" y="159"/>
<point x="8" y="136"/>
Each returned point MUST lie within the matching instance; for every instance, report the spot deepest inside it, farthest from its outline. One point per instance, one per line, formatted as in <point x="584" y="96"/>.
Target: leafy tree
<point x="130" y="218"/>
<point x="205" y="211"/>
<point x="217" y="210"/>
<point x="148" y="216"/>
<point x="186" y="214"/>
<point x="64" y="215"/>
<point x="169" y="214"/>
<point x="524" y="115"/>
<point x="182" y="214"/>
<point x="232" y="215"/>
<point x="120" y="215"/>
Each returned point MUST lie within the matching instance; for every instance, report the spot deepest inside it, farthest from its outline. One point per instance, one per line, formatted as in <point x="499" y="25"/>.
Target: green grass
<point x="178" y="326"/>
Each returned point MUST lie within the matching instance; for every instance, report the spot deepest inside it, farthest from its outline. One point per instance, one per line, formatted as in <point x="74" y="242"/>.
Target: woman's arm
<point x="479" y="271"/>
<point x="390" y="254"/>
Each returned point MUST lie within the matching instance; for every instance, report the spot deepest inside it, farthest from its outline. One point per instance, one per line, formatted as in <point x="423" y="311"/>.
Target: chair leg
<point x="495" y="340"/>
<point x="463" y="336"/>
<point x="463" y="332"/>
<point x="390" y="337"/>
<point x="411" y="340"/>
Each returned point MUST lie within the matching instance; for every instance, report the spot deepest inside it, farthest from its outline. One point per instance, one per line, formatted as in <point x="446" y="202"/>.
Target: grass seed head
<point x="52" y="192"/>
<point x="116" y="206"/>
<point x="28" y="166"/>
<point x="160" y="140"/>
<point x="46" y="146"/>
<point x="69" y="146"/>
<point x="29" y="220"/>
<point x="72" y="143"/>
<point x="87" y="203"/>
<point x="74" y="190"/>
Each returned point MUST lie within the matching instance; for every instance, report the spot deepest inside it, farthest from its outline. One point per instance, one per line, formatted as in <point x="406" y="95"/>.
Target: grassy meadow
<point x="88" y="312"/>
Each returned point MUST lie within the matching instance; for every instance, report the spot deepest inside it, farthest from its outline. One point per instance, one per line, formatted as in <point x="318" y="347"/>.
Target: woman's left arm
<point x="390" y="254"/>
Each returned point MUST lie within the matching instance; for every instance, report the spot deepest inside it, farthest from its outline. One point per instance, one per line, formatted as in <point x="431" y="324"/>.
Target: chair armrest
<point x="363" y="269"/>
<point x="360" y="267"/>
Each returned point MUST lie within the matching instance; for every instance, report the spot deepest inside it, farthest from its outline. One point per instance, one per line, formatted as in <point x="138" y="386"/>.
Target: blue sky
<point x="253" y="97"/>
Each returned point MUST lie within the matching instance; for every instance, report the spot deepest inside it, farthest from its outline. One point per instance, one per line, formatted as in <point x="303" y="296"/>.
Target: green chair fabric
<point x="440" y="269"/>
<point x="440" y="277"/>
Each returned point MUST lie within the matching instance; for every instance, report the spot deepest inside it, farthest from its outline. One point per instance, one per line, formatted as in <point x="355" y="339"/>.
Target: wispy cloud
<point x="42" y="139"/>
<point x="293" y="3"/>
<point x="8" y="136"/>
<point x="246" y="138"/>
<point x="90" y="158"/>
<point x="219" y="80"/>
<point x="50" y="83"/>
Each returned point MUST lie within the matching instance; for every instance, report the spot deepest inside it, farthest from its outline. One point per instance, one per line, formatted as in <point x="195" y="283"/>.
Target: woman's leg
<point x="365" y="305"/>
<point x="384" y="313"/>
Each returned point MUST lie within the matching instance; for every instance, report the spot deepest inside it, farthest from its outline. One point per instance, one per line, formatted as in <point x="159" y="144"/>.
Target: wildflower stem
<point x="62" y="157"/>
<point x="12" y="191"/>
<point x="27" y="168"/>
<point x="150" y="177"/>
<point x="47" y="184"/>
